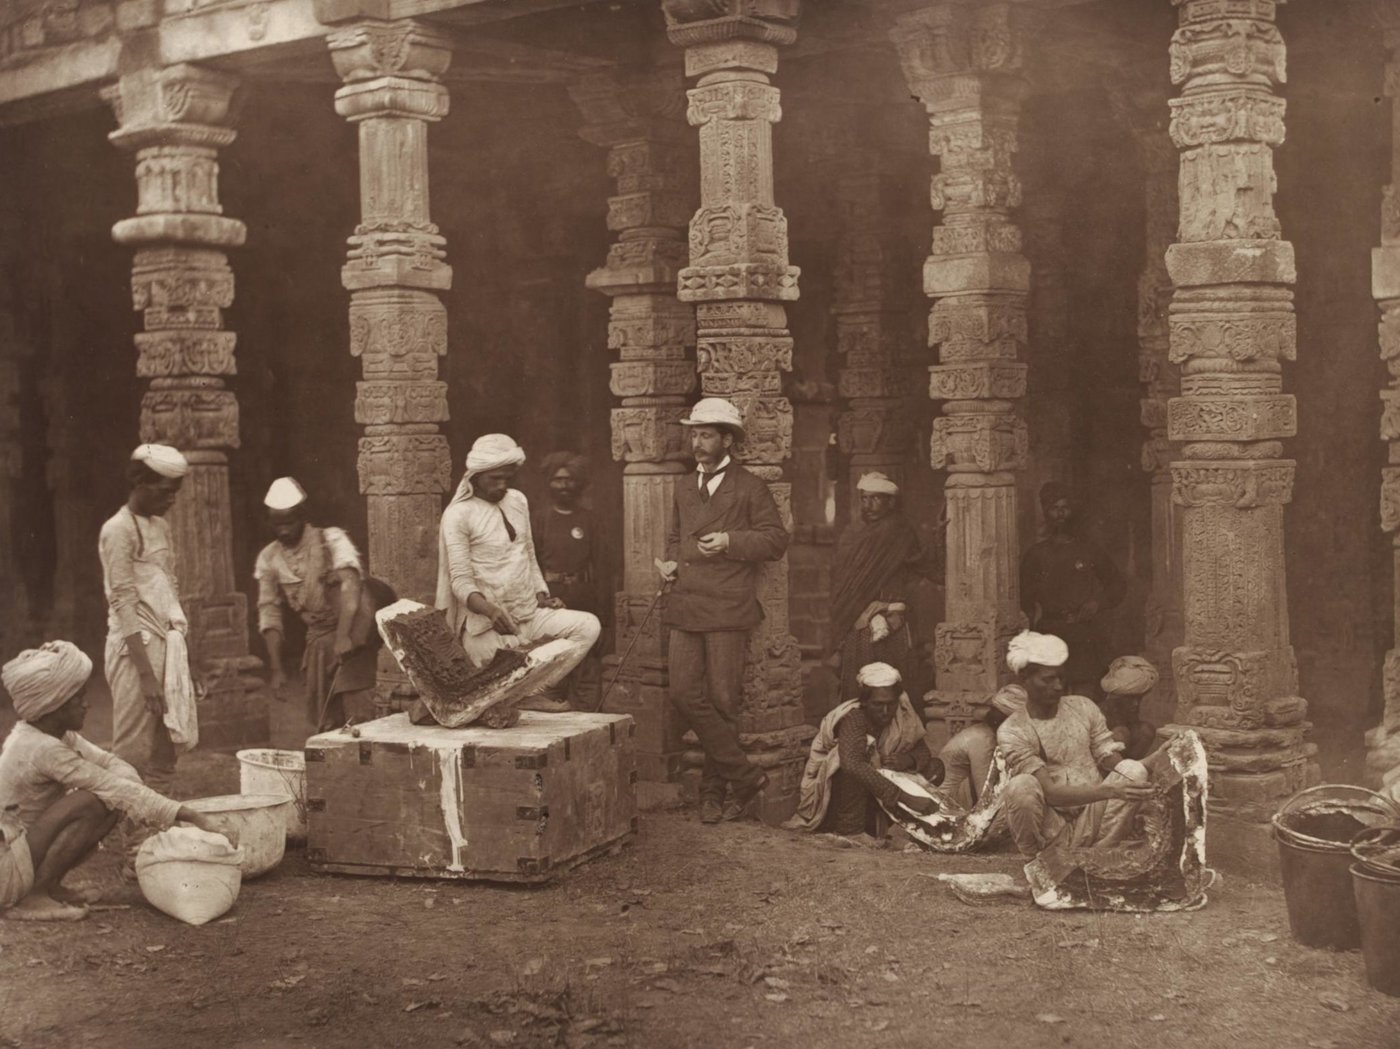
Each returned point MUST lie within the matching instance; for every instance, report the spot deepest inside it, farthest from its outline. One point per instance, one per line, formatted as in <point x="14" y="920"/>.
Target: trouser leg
<point x="139" y="736"/>
<point x="1118" y="818"/>
<point x="581" y="628"/>
<point x="706" y="680"/>
<point x="1026" y="814"/>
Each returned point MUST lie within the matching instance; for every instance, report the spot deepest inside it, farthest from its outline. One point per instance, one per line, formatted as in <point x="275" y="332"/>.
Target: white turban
<point x="1129" y="676"/>
<point x="1028" y="647"/>
<point x="284" y="494"/>
<point x="1010" y="699"/>
<point x="877" y="483"/>
<point x="40" y="680"/>
<point x="162" y="459"/>
<point x="878" y="675"/>
<point x="490" y="451"/>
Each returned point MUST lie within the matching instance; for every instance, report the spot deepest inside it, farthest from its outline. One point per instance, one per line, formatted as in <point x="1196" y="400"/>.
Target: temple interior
<point x="521" y="196"/>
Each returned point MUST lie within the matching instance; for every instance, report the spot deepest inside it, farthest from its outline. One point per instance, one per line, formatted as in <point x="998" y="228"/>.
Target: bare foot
<point x="41" y="907"/>
<point x="75" y="897"/>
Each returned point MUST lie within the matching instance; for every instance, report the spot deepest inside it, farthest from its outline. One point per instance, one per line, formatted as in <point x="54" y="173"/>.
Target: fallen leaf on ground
<point x="532" y="967"/>
<point x="587" y="1024"/>
<point x="409" y="981"/>
<point x="777" y="983"/>
<point x="889" y="977"/>
<point x="413" y="1007"/>
<point x="1078" y="943"/>
<point x="1049" y="1018"/>
<point x="1335" y="1001"/>
<point x="598" y="963"/>
<point x="288" y="983"/>
<point x="776" y="997"/>
<point x="502" y="1037"/>
<point x="871" y="949"/>
<point x="667" y="985"/>
<point x="879" y="1025"/>
<point x="1156" y="1017"/>
<point x="1268" y="938"/>
<point x="153" y="948"/>
<point x="435" y="977"/>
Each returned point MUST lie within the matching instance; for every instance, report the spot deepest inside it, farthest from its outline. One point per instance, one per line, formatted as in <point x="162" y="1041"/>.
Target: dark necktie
<point x="510" y="532"/>
<point x="705" y="479"/>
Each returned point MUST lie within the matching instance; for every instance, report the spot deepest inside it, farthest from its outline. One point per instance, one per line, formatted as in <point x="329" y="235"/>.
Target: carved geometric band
<point x="1252" y="418"/>
<point x="997" y="379"/>
<point x="379" y="403"/>
<point x="1241" y="486"/>
<point x="190" y="419"/>
<point x="743" y="281"/>
<point x="1270" y="337"/>
<point x="404" y="464"/>
<point x="165" y="353"/>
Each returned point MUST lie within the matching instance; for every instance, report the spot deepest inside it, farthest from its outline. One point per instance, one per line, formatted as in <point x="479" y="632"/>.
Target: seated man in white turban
<point x="842" y="788"/>
<point x="59" y="794"/>
<point x="1129" y="678"/>
<point x="1069" y="782"/>
<point x="146" y="661"/>
<point x="317" y="572"/>
<point x="489" y="580"/>
<point x="967" y="757"/>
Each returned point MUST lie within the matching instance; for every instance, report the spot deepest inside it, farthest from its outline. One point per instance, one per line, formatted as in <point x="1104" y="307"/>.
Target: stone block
<point x="1385" y="272"/>
<point x="989" y="272"/>
<point x="1231" y="262"/>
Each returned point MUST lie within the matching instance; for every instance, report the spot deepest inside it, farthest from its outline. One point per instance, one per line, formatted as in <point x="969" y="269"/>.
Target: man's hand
<point x="277" y="682"/>
<point x="895" y="621"/>
<point x="917" y="803"/>
<point x="1087" y="611"/>
<point x="343" y="646"/>
<point x="1132" y="791"/>
<point x="667" y="570"/>
<point x="544" y="600"/>
<point x="714" y="544"/>
<point x="153" y="694"/>
<point x="501" y="622"/>
<point x="202" y="820"/>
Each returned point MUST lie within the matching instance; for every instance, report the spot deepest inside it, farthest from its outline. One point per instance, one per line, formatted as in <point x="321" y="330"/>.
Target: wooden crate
<point x="518" y="804"/>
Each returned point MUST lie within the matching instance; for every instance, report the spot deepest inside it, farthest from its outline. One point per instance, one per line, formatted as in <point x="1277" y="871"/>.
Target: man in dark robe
<point x="877" y="563"/>
<point x="564" y="533"/>
<point x="1067" y="584"/>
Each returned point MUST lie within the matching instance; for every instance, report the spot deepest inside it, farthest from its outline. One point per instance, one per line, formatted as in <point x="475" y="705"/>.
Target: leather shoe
<point x="741" y="799"/>
<point x="710" y="810"/>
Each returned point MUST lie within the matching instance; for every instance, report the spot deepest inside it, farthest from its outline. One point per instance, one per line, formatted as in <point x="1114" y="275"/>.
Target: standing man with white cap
<point x="723" y="524"/>
<point x="489" y="579"/>
<point x="317" y="572"/>
<point x="146" y="660"/>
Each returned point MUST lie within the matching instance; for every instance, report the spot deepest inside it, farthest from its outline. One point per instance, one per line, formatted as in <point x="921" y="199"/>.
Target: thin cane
<point x="632" y="644"/>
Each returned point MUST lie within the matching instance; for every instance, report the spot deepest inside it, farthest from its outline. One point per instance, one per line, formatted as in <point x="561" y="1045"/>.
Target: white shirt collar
<point x="723" y="465"/>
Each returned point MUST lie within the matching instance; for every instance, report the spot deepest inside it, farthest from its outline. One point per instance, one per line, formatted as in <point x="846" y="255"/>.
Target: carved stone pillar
<point x="638" y="118"/>
<point x="1140" y="108"/>
<point x="1231" y="326"/>
<point x="175" y="120"/>
<point x="738" y="278"/>
<point x="964" y="62"/>
<point x="14" y="595"/>
<point x="1383" y="741"/>
<point x="398" y="324"/>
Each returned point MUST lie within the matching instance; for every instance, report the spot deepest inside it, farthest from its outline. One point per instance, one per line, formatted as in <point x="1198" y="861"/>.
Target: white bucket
<point x="277" y="772"/>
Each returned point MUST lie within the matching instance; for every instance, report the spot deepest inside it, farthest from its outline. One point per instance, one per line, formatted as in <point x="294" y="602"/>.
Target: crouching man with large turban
<point x="59" y="794"/>
<point x="1070" y="784"/>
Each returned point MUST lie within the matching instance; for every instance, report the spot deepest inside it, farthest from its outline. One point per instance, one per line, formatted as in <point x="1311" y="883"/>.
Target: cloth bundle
<point x="189" y="873"/>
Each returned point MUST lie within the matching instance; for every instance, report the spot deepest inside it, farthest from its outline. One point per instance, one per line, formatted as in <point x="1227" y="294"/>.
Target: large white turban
<point x="162" y="459"/>
<point x="284" y="494"/>
<point x="490" y="451"/>
<point x="876" y="483"/>
<point x="878" y="675"/>
<point x="40" y="680"/>
<point x="1129" y="676"/>
<point x="1028" y="647"/>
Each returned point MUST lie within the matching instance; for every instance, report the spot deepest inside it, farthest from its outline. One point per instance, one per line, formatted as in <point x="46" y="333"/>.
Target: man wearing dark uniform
<point x="564" y="533"/>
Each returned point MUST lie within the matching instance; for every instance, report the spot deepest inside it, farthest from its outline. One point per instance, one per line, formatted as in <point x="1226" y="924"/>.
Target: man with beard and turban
<point x="876" y="564"/>
<point x="1129" y="678"/>
<point x="317" y="573"/>
<point x="59" y="794"/>
<point x="1067" y="584"/>
<point x="489" y="579"/>
<point x="842" y="789"/>
<point x="1069" y="782"/>
<point x="564" y="533"/>
<point x="146" y="659"/>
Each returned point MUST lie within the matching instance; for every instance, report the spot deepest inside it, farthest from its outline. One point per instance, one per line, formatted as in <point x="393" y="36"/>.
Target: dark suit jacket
<point x="720" y="593"/>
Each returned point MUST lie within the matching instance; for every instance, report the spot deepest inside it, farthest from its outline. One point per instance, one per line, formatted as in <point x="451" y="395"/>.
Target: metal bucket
<point x="277" y="772"/>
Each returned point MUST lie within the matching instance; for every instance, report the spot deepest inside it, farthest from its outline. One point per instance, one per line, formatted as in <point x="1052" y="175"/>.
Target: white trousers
<point x="582" y="628"/>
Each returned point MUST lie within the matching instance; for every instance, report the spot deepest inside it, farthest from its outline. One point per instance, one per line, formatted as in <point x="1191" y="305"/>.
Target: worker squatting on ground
<point x="1070" y="784"/>
<point x="967" y="757"/>
<point x="489" y="579"/>
<point x="842" y="788"/>
<point x="59" y="794"/>
<point x="318" y="573"/>
<point x="146" y="660"/>
<point x="722" y="526"/>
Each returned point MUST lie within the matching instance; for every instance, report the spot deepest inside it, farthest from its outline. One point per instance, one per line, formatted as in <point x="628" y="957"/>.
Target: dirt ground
<point x="694" y="936"/>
